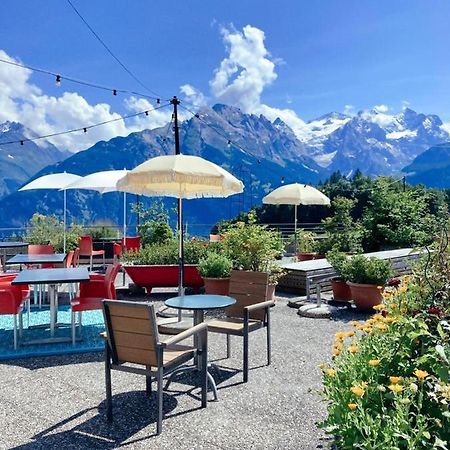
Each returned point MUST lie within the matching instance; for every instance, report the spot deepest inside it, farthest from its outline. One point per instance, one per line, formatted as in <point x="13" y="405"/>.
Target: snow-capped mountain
<point x="19" y="162"/>
<point x="373" y="141"/>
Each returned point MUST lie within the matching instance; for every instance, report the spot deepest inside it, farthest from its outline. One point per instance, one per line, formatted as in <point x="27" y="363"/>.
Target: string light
<point x="229" y="143"/>
<point x="146" y="113"/>
<point x="84" y="129"/>
<point x="114" y="91"/>
<point x="58" y="80"/>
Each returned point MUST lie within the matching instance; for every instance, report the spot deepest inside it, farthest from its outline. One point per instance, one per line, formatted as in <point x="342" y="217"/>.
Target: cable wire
<point x="60" y="77"/>
<point x="109" y="50"/>
<point x="84" y="129"/>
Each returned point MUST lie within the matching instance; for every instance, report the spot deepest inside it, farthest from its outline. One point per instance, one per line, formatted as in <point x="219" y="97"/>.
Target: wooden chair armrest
<point x="257" y="306"/>
<point x="200" y="328"/>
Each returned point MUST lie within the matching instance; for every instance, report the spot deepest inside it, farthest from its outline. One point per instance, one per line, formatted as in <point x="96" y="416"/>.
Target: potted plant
<point x="341" y="290"/>
<point x="215" y="269"/>
<point x="305" y="245"/>
<point x="367" y="278"/>
<point x="156" y="265"/>
<point x="275" y="273"/>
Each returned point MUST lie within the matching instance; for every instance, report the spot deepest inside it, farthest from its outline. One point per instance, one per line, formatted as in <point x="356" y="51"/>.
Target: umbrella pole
<point x="180" y="252"/>
<point x="295" y="228"/>
<point x="124" y="216"/>
<point x="65" y="205"/>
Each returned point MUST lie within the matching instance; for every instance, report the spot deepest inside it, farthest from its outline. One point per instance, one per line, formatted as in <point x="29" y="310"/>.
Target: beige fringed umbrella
<point x="182" y="177"/>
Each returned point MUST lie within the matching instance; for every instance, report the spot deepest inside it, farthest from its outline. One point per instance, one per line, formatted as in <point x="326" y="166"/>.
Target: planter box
<point x="149" y="277"/>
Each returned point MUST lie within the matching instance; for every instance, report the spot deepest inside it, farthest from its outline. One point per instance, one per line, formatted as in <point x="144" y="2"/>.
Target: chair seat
<point x="231" y="325"/>
<point x="98" y="252"/>
<point x="173" y="353"/>
<point x="86" y="304"/>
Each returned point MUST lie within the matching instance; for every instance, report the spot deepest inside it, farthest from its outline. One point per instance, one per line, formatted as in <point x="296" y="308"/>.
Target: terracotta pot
<point x="365" y="296"/>
<point x="217" y="286"/>
<point x="271" y="291"/>
<point x="163" y="276"/>
<point x="306" y="256"/>
<point x="215" y="237"/>
<point x="341" y="290"/>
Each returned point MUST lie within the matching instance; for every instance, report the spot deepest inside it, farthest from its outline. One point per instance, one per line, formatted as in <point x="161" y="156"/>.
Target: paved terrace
<point x="58" y="402"/>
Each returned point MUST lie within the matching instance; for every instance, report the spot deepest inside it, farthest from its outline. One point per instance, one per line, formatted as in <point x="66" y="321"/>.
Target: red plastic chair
<point x="91" y="294"/>
<point x="86" y="248"/>
<point x="128" y="244"/>
<point x="11" y="302"/>
<point x="42" y="249"/>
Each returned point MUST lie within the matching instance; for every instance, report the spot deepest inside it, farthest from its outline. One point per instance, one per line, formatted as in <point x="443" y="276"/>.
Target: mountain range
<point x="260" y="152"/>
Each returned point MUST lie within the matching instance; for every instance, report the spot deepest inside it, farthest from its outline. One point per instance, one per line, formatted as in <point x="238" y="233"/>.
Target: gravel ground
<point x="58" y="402"/>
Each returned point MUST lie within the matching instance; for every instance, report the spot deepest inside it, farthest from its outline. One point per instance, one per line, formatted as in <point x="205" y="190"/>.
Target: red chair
<point x="128" y="244"/>
<point x="41" y="249"/>
<point x="11" y="302"/>
<point x="86" y="248"/>
<point x="91" y="294"/>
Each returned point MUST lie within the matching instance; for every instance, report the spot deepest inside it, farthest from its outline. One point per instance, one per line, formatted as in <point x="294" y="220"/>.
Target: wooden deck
<point x="298" y="273"/>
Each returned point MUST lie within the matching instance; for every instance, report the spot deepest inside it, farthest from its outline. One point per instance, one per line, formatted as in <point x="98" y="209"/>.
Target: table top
<point x="52" y="276"/>
<point x="205" y="301"/>
<point x="37" y="258"/>
<point x="13" y="244"/>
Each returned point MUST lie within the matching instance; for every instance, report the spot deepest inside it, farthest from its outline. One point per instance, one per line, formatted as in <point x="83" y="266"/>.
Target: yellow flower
<point x="367" y="329"/>
<point x="378" y="307"/>
<point x="354" y="323"/>
<point x="421" y="374"/>
<point x="396" y="388"/>
<point x="323" y="366"/>
<point x="402" y="289"/>
<point x="377" y="317"/>
<point x="339" y="336"/>
<point x="352" y="406"/>
<point x="357" y="390"/>
<point x="395" y="379"/>
<point x="330" y="372"/>
<point x="374" y="362"/>
<point x="393" y="305"/>
<point x="350" y="333"/>
<point x="403" y="310"/>
<point x="387" y="295"/>
<point x="389" y="319"/>
<point x="361" y="327"/>
<point x="370" y="321"/>
<point x="336" y="352"/>
<point x="353" y="349"/>
<point x="381" y="326"/>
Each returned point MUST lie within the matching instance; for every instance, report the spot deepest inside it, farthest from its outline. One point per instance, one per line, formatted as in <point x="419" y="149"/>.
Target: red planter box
<point x="149" y="277"/>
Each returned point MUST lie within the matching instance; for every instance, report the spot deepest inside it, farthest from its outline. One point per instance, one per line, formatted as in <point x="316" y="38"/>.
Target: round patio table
<point x="198" y="304"/>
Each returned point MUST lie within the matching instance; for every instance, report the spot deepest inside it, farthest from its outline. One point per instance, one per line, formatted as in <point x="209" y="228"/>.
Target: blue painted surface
<point x="93" y="324"/>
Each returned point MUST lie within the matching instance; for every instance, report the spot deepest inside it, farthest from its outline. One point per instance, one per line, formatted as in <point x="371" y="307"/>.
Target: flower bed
<point x="388" y="386"/>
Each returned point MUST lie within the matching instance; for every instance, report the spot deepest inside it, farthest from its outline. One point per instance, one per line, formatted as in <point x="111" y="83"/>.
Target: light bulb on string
<point x="85" y="130"/>
<point x="114" y="91"/>
<point x="229" y="144"/>
<point x="146" y="113"/>
<point x="282" y="180"/>
<point x="21" y="142"/>
<point x="58" y="80"/>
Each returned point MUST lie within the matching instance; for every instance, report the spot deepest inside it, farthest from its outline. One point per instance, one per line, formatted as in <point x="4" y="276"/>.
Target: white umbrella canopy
<point x="54" y="181"/>
<point x="182" y="177"/>
<point x="103" y="182"/>
<point x="296" y="194"/>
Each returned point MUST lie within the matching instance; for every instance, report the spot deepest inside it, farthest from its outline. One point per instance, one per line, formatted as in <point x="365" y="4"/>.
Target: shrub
<point x="215" y="266"/>
<point x="250" y="246"/>
<point x="305" y="241"/>
<point x="363" y="270"/>
<point x="339" y="262"/>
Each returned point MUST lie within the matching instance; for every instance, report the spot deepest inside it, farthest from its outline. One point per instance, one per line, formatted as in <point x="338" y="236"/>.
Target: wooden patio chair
<point x="132" y="338"/>
<point x="250" y="313"/>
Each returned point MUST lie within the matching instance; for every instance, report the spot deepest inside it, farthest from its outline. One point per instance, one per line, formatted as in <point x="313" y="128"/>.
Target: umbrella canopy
<point x="54" y="181"/>
<point x="103" y="182"/>
<point x="99" y="181"/>
<point x="180" y="176"/>
<point x="296" y="194"/>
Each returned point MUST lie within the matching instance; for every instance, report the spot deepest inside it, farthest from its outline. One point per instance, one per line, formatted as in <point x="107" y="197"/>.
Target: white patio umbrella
<point x="296" y="194"/>
<point x="181" y="177"/>
<point x="103" y="182"/>
<point x="54" y="181"/>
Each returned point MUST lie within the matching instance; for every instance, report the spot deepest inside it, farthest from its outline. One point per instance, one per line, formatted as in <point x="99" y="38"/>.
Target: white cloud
<point x="22" y="101"/>
<point x="349" y="110"/>
<point x="405" y="104"/>
<point x="193" y="95"/>
<point x="381" y="108"/>
<point x="246" y="71"/>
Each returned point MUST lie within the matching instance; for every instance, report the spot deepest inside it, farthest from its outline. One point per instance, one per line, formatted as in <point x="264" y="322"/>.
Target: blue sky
<point x="325" y="55"/>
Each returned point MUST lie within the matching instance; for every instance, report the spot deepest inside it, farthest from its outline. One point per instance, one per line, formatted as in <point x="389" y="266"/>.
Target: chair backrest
<point x="132" y="332"/>
<point x="40" y="249"/>
<point x="110" y="278"/>
<point x="131" y="243"/>
<point x="85" y="245"/>
<point x="69" y="259"/>
<point x="247" y="288"/>
<point x="76" y="257"/>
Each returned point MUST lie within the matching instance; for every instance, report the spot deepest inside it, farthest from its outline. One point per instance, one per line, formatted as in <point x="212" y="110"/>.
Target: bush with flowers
<point x="388" y="386"/>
